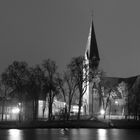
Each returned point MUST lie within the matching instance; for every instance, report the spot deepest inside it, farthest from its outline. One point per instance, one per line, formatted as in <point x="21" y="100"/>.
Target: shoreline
<point x="97" y="124"/>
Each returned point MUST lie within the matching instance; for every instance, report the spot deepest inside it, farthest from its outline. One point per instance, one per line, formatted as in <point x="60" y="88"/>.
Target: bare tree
<point x="34" y="87"/>
<point x="50" y="70"/>
<point x="61" y="86"/>
<point x="71" y="89"/>
<point x="79" y="70"/>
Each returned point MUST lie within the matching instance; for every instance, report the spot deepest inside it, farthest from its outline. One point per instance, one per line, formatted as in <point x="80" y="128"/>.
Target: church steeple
<point x="92" y="105"/>
<point x="92" y="53"/>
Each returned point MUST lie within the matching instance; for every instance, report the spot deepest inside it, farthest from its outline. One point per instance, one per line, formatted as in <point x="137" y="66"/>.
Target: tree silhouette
<point x="15" y="76"/>
<point x="34" y="87"/>
<point x="79" y="68"/>
<point x="50" y="70"/>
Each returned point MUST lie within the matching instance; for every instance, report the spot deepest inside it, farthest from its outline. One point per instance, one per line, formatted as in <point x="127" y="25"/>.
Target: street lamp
<point x="15" y="110"/>
<point x="102" y="111"/>
<point x="116" y="102"/>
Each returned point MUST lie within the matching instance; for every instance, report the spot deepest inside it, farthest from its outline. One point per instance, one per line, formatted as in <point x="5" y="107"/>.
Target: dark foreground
<point x="69" y="134"/>
<point x="129" y="124"/>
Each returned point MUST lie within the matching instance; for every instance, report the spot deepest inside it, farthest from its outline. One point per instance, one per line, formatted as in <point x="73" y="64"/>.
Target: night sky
<point x="34" y="30"/>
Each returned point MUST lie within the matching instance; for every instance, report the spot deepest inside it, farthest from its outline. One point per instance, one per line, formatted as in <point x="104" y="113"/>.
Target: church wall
<point x="94" y="103"/>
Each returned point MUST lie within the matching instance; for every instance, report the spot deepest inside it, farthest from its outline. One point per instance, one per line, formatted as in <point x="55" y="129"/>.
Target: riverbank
<point x="53" y="124"/>
<point x="127" y="124"/>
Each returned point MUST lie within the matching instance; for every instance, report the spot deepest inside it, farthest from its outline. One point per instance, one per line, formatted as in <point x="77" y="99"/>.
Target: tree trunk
<point x="79" y="109"/>
<point x="44" y="108"/>
<point x="3" y="109"/>
<point x="69" y="109"/>
<point x="35" y="117"/>
<point x="32" y="109"/>
<point x="50" y="102"/>
<point x="50" y="111"/>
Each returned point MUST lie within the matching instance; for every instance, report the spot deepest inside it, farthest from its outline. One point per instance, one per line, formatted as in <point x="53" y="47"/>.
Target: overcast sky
<point x="34" y="30"/>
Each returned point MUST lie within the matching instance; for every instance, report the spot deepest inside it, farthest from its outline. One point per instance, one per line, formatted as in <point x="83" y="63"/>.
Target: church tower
<point x="90" y="99"/>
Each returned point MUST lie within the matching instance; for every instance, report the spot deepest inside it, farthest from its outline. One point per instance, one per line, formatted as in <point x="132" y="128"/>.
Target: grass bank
<point x="127" y="124"/>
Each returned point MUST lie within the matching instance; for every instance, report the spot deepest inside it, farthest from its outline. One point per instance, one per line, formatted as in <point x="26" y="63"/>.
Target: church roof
<point x="112" y="83"/>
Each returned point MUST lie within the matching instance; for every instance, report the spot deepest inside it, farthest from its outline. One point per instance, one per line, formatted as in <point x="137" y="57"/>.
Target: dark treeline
<point x="29" y="84"/>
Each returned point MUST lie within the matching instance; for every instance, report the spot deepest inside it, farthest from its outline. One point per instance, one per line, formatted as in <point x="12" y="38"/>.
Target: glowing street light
<point x="116" y="102"/>
<point x="15" y="110"/>
<point x="102" y="111"/>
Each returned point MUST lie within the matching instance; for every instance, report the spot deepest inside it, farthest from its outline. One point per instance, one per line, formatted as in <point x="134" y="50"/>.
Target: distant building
<point x="9" y="110"/>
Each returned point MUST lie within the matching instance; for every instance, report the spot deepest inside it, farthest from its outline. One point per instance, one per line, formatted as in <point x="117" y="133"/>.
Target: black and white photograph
<point x="69" y="69"/>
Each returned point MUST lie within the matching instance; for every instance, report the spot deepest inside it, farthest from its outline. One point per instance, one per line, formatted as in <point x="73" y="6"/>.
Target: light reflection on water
<point x="69" y="134"/>
<point x="102" y="134"/>
<point x="15" y="134"/>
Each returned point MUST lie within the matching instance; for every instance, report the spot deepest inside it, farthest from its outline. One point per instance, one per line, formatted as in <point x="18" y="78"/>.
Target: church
<point x="108" y="96"/>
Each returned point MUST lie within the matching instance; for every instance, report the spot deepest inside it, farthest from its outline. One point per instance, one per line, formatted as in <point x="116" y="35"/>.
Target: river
<point x="70" y="134"/>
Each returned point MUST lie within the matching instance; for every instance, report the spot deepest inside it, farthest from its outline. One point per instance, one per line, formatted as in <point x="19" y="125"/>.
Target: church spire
<point x="92" y="53"/>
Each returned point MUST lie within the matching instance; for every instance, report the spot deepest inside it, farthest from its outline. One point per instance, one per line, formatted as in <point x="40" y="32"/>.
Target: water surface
<point x="70" y="134"/>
